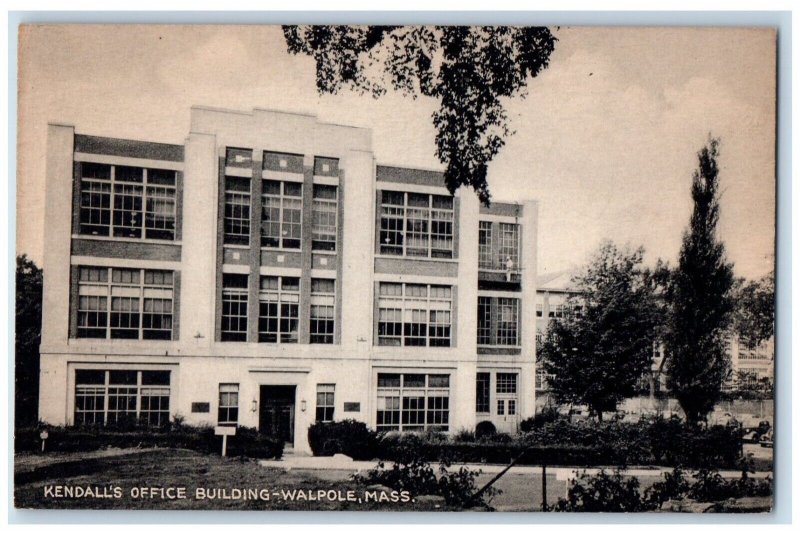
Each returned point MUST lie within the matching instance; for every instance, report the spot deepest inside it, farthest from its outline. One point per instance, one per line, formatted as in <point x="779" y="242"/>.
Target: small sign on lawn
<point x="225" y="431"/>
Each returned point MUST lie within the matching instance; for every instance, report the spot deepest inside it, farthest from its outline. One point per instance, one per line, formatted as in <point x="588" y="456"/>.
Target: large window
<point x="234" y="308"/>
<point x="504" y="330"/>
<point x="414" y="314"/>
<point x="323" y="230"/>
<point x="237" y="210"/>
<point x="127" y="202"/>
<point x="416" y="224"/>
<point x="413" y="402"/>
<point x="228" y="413"/>
<point x="281" y="214"/>
<point x="124" y="303"/>
<point x="323" y="299"/>
<point x="509" y="246"/>
<point x="278" y="309"/>
<point x="122" y="397"/>
<point x="325" y="402"/>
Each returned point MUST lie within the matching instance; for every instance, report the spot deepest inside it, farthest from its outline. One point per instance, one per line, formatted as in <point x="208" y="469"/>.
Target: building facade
<point x="268" y="273"/>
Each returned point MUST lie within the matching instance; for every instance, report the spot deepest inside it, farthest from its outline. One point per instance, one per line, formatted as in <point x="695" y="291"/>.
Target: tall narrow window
<point x="281" y="214"/>
<point x="485" y="245"/>
<point x="323" y="299"/>
<point x="325" y="402"/>
<point x="279" y="313"/>
<point x="237" y="210"/>
<point x="124" y="303"/>
<point x="507" y="321"/>
<point x="228" y="413"/>
<point x="509" y="246"/>
<point x="323" y="231"/>
<point x="482" y="393"/>
<point x="392" y="222"/>
<point x="234" y="308"/>
<point x="484" y="320"/>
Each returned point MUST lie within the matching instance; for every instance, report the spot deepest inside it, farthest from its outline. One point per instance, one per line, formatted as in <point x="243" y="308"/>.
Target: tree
<point x="28" y="324"/>
<point x="701" y="303"/>
<point x="754" y="312"/>
<point x="603" y="346"/>
<point x="470" y="70"/>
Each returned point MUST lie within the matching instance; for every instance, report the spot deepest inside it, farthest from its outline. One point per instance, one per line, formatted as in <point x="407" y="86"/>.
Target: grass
<point x="189" y="470"/>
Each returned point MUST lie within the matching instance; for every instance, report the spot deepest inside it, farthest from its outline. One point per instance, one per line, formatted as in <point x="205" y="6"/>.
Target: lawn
<point x="139" y="481"/>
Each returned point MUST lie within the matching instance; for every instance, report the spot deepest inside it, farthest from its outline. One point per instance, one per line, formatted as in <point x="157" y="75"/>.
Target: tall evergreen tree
<point x="700" y="294"/>
<point x="28" y="336"/>
<point x="603" y="347"/>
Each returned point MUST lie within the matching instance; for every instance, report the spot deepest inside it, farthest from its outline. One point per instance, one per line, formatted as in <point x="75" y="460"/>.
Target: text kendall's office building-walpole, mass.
<point x="268" y="273"/>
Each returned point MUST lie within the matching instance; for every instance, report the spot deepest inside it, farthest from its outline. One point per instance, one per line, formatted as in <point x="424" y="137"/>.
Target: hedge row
<point x="247" y="442"/>
<point x="560" y="442"/>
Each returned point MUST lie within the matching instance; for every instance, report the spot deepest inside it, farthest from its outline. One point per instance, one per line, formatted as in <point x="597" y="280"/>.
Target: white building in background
<point x="268" y="273"/>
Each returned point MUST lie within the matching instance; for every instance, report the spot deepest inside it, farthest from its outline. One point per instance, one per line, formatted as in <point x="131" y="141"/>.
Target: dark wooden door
<point x="276" y="413"/>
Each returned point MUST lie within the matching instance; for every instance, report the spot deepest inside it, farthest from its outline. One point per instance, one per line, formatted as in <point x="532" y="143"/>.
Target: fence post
<point x="544" y="487"/>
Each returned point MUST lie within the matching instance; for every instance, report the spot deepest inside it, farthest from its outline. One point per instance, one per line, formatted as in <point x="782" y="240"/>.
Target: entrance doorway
<point x="276" y="411"/>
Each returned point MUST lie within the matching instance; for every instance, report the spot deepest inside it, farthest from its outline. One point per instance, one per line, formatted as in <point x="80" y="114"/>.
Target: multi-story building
<point x="267" y="273"/>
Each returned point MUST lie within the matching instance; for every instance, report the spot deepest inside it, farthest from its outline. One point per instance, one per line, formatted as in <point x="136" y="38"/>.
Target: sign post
<point x="43" y="435"/>
<point x="225" y="431"/>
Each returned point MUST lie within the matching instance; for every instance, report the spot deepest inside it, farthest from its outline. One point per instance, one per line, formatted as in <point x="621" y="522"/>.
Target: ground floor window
<point x="325" y="402"/>
<point x="228" y="413"/>
<point x="413" y="402"/>
<point x="505" y="395"/>
<point x="122" y="397"/>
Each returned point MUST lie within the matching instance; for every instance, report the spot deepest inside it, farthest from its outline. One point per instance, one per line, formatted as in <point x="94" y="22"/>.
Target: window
<point x="281" y="214"/>
<point x="234" y="308"/>
<point x="485" y="245"/>
<point x="506" y="391"/>
<point x="122" y="397"/>
<point x="416" y="224"/>
<point x="325" y="404"/>
<point x="482" y="392"/>
<point x="323" y="230"/>
<point x="539" y="310"/>
<point x="484" y="320"/>
<point x="323" y="298"/>
<point x="507" y="321"/>
<point x="414" y="314"/>
<point x="504" y="331"/>
<point x="228" y="413"/>
<point x="509" y="245"/>
<point x="127" y="202"/>
<point x="278" y="309"/>
<point x="124" y="303"/>
<point x="413" y="402"/>
<point x="237" y="211"/>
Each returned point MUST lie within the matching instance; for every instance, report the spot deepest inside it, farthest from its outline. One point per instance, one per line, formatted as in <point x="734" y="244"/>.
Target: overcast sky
<point x="606" y="139"/>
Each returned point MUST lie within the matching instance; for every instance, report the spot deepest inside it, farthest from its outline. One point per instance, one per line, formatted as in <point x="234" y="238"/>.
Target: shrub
<point x="547" y="415"/>
<point x="485" y="429"/>
<point x="603" y="492"/>
<point x="350" y="437"/>
<point x="412" y="473"/>
<point x="464" y="435"/>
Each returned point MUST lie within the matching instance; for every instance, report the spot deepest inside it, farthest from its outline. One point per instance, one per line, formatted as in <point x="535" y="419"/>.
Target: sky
<point x="606" y="139"/>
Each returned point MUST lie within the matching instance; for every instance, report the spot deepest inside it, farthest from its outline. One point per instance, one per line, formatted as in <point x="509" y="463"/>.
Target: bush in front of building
<point x="485" y="430"/>
<point x="348" y="437"/>
<point x="247" y="442"/>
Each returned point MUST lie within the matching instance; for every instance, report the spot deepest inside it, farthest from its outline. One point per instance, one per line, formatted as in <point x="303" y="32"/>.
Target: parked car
<point x="766" y="440"/>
